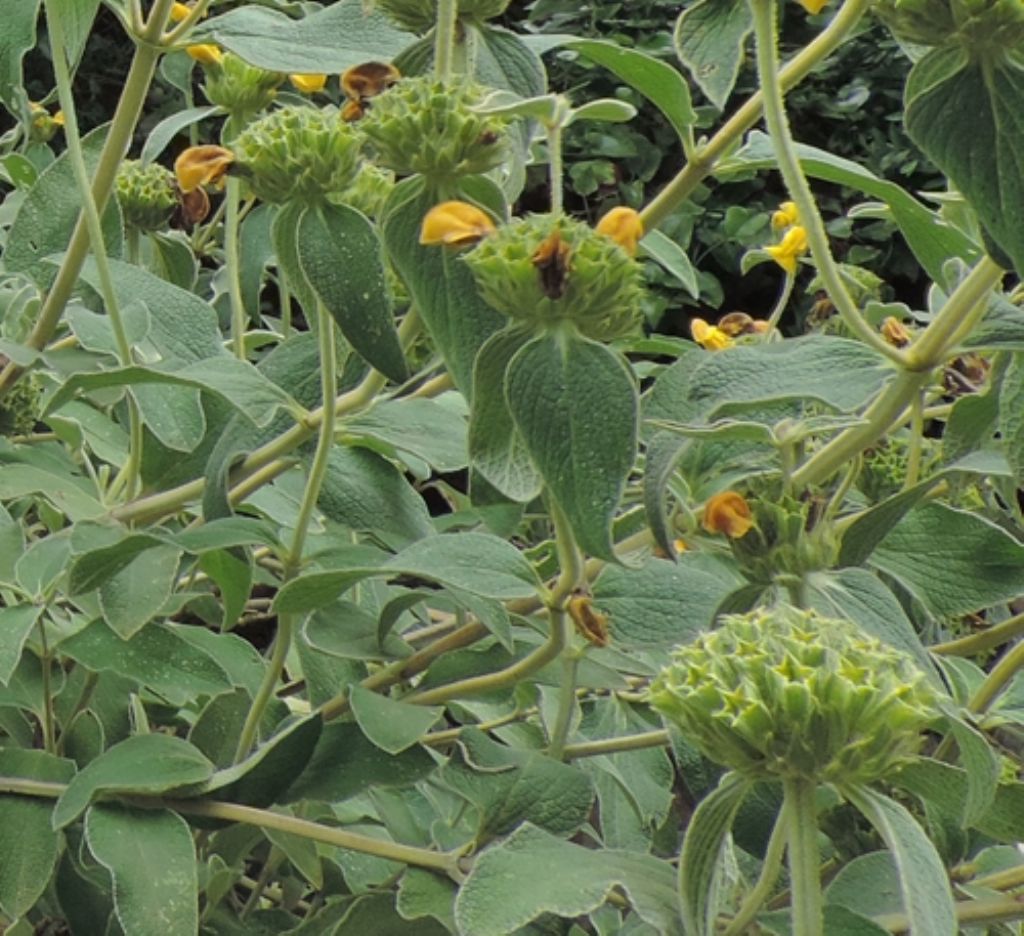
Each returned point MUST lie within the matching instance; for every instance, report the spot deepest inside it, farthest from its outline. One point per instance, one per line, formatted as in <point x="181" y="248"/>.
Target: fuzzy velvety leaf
<point x="983" y="767"/>
<point x="16" y="38"/>
<point x="133" y="596"/>
<point x="16" y="623"/>
<point x="340" y="255"/>
<point x="391" y="725"/>
<point x="168" y="128"/>
<point x="152" y="861"/>
<point x="150" y="763"/>
<point x="965" y="111"/>
<point x="532" y="873"/>
<point x="432" y="430"/>
<point x="665" y="251"/>
<point x="574" y="402"/>
<point x="709" y="39"/>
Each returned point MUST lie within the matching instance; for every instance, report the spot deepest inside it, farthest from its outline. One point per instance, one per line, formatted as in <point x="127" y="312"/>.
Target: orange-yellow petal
<point x="455" y="223"/>
<point x="206" y="53"/>
<point x="709" y="337"/>
<point x="368" y="80"/>
<point x="308" y="84"/>
<point x="792" y="246"/>
<point x="728" y="513"/>
<point x="895" y="332"/>
<point x="786" y="216"/>
<point x="58" y="118"/>
<point x="202" y="165"/>
<point x="813" y="6"/>
<point x="622" y="225"/>
<point x="590" y="622"/>
<point x="180" y="11"/>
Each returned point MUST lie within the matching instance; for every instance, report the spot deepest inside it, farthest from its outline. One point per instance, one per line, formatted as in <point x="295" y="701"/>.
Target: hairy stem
<point x="803" y="859"/>
<point x="444" y="38"/>
<point x="770" y="869"/>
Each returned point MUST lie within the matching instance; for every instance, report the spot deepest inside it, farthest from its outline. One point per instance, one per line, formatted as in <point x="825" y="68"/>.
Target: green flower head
<point x="784" y="693"/>
<point x="146" y="194"/>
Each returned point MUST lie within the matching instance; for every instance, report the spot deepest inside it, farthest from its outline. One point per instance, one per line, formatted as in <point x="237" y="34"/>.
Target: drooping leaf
<point x="709" y="37"/>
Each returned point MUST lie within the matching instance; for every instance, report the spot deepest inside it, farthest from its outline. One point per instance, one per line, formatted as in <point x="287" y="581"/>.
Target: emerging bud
<point x="786" y="216"/>
<point x="206" y="53"/>
<point x="146" y="194"/>
<point x="202" y="165"/>
<point x="44" y="125"/>
<point x="455" y="224"/>
<point x="792" y="247"/>
<point x="895" y="332"/>
<point x="784" y="693"/>
<point x="240" y="88"/>
<point x="728" y="512"/>
<point x="710" y="337"/>
<point x="308" y="84"/>
<point x="622" y="225"/>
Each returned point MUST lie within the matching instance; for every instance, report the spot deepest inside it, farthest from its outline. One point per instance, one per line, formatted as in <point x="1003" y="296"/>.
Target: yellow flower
<point x="202" y="165"/>
<point x="180" y="11"/>
<point x="622" y="225"/>
<point x="455" y="223"/>
<point x="728" y="513"/>
<point x="680" y="546"/>
<point x="308" y="84"/>
<point x="58" y="118"/>
<point x="709" y="337"/>
<point x="813" y="6"/>
<point x="786" y="216"/>
<point x="895" y="332"/>
<point x="206" y="53"/>
<point x="792" y="246"/>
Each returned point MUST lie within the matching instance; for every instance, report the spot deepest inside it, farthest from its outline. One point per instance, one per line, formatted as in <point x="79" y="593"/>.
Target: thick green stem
<point x="707" y="155"/>
<point x="997" y="680"/>
<point x="232" y="266"/>
<point x="566" y="695"/>
<point x="444" y="38"/>
<point x="789" y="166"/>
<point x="556" y="170"/>
<point x="636" y="742"/>
<point x="803" y="858"/>
<point x="995" y="636"/>
<point x="770" y="868"/>
<point x="916" y="441"/>
<point x="119" y="136"/>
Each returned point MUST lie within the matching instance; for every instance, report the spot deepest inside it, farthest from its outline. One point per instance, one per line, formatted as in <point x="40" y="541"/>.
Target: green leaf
<point x="330" y="40"/>
<point x="70" y="495"/>
<point x="954" y="562"/>
<point x="28" y="842"/>
<point x="168" y="128"/>
<point x="431" y="430"/>
<point x="16" y="623"/>
<point x="340" y="255"/>
<point x="656" y="80"/>
<point x="233" y="577"/>
<point x="495" y="445"/>
<point x="532" y="873"/>
<point x="152" y="861"/>
<point x="927" y="899"/>
<point x="1011" y="418"/>
<point x="574" y="402"/>
<point x="365" y="492"/>
<point x="345" y="763"/>
<point x="702" y="847"/>
<point x="665" y="251"/>
<point x="709" y="38"/>
<point x="391" y="725"/>
<point x="931" y="239"/>
<point x="505" y="61"/>
<point x="16" y="38"/>
<point x="155" y="657"/>
<point x="422" y="894"/>
<point x="132" y="597"/>
<point x="868" y="884"/>
<point x="964" y="111"/>
<point x="148" y="764"/>
<point x="663" y="603"/>
<point x="439" y="283"/>
<point x="284" y="235"/>
<point x="42" y="227"/>
<point x="173" y="414"/>
<point x="12" y="544"/>
<point x="982" y="765"/>
<point x="839" y="921"/>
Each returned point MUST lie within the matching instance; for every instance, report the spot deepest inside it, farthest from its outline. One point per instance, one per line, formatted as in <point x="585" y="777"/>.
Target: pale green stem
<point x="445" y="862"/>
<point x="286" y="304"/>
<point x="178" y="30"/>
<point x="570" y="564"/>
<point x="94" y="231"/>
<point x="796" y="183"/>
<point x="566" y="694"/>
<point x="49" y="730"/>
<point x="444" y="38"/>
<point x="293" y="561"/>
<point x="707" y="155"/>
<point x="119" y="136"/>
<point x="636" y="742"/>
<point x="995" y="636"/>
<point x="770" y="868"/>
<point x="232" y="265"/>
<point x="556" y="169"/>
<point x="997" y="679"/>
<point x="780" y="307"/>
<point x="803" y="858"/>
<point x="916" y="441"/>
<point x="133" y="243"/>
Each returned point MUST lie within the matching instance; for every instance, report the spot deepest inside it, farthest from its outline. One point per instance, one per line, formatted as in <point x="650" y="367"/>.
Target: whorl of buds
<point x="146" y="194"/>
<point x="784" y="693"/>
<point x="428" y="127"/>
<point x="238" y="87"/>
<point x="545" y="270"/>
<point x="298" y="154"/>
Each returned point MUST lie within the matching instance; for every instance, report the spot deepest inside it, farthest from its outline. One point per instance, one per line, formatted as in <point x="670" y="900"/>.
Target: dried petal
<point x="202" y="165"/>
<point x="728" y="513"/>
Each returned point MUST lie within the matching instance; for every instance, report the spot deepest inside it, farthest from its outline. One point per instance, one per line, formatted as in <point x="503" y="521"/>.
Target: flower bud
<point x="240" y="88"/>
<point x="728" y="512"/>
<point x="786" y="216"/>
<point x="44" y="125"/>
<point x="298" y="154"/>
<point x="146" y="194"/>
<point x="785" y="693"/>
<point x="544" y="270"/>
<point x="425" y="126"/>
<point x="895" y="332"/>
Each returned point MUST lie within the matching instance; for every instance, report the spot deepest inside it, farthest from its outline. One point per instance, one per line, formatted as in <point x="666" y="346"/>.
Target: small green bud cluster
<point x="299" y="154"/>
<point x="783" y="693"/>
<point x="370" y="190"/>
<point x="419" y="16"/>
<point x="146" y="194"/>
<point x="426" y="126"/>
<point x="19" y="408"/>
<point x="588" y="279"/>
<point x="240" y="88"/>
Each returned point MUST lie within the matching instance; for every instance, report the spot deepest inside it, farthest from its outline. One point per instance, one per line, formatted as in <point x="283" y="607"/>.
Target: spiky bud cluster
<point x="419" y="16"/>
<point x="545" y="270"/>
<point x="146" y="194"/>
<point x="298" y="154"/>
<point x="370" y="190"/>
<point x="426" y="126"/>
<point x="240" y="88"/>
<point x="784" y="693"/>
